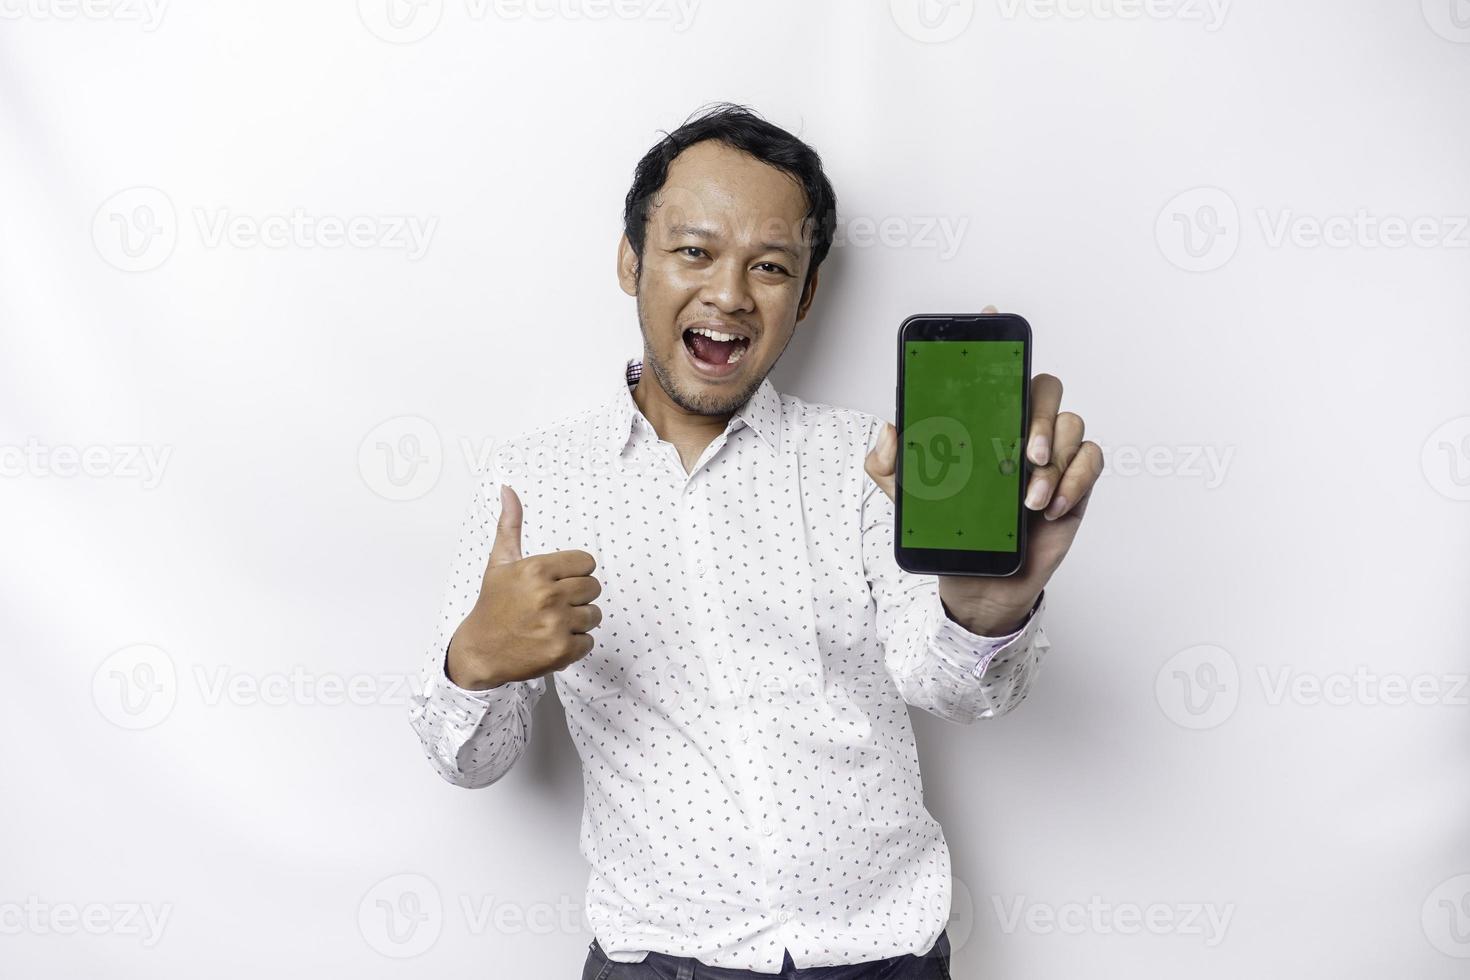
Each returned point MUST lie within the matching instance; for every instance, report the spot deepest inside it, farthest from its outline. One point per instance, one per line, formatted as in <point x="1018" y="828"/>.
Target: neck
<point x="671" y="421"/>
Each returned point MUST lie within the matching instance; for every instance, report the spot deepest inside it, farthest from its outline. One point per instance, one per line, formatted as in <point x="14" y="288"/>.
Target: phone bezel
<point x="963" y="326"/>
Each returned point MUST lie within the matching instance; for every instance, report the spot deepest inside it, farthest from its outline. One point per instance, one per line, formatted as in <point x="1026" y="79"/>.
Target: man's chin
<point x="693" y="392"/>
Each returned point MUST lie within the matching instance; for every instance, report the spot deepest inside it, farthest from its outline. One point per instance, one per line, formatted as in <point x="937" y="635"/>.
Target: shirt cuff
<point x="472" y="702"/>
<point x="966" y="646"/>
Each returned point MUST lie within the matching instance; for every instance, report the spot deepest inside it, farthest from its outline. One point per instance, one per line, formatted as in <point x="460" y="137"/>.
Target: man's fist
<point x="533" y="614"/>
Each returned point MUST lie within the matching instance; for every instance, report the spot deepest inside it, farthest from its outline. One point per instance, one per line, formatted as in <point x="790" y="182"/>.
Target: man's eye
<point x="774" y="268"/>
<point x="691" y="248"/>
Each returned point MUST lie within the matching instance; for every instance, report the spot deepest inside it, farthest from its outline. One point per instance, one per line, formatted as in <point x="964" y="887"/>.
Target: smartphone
<point x="963" y="405"/>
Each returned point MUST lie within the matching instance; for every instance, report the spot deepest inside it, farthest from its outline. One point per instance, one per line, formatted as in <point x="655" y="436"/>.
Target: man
<point x="753" y="804"/>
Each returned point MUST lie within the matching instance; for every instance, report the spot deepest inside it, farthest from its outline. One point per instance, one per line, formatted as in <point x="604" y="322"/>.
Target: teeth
<point x="739" y="353"/>
<point x="715" y="334"/>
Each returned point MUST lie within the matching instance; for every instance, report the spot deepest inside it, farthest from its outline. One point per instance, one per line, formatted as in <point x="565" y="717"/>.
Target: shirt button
<point x="745" y="735"/>
<point x="699" y="568"/>
<point x="785" y="915"/>
<point x="767" y="829"/>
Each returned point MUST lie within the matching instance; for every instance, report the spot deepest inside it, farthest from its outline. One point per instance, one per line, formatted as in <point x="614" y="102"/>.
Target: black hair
<point x="739" y="127"/>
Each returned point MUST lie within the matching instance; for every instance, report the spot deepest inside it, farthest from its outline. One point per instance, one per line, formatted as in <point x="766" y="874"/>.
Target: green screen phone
<point x="963" y="406"/>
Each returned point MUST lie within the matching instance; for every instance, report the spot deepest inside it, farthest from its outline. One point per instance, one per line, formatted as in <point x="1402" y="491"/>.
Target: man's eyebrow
<point x="705" y="234"/>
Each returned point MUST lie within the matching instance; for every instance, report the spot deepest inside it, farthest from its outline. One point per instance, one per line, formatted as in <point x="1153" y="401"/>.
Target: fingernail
<point x="1040" y="452"/>
<point x="1036" y="496"/>
<point x="1058" y="504"/>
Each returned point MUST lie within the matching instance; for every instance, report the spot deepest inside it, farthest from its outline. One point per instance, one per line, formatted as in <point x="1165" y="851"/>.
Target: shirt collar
<point x="762" y="412"/>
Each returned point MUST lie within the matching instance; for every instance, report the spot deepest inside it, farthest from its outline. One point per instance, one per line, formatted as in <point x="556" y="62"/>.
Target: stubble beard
<point x="690" y="402"/>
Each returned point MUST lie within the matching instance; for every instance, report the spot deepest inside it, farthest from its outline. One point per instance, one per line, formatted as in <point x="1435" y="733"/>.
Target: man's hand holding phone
<point x="533" y="614"/>
<point x="1063" y="472"/>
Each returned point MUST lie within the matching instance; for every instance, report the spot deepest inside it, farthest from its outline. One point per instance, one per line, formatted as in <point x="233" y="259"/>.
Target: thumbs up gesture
<point x="533" y="614"/>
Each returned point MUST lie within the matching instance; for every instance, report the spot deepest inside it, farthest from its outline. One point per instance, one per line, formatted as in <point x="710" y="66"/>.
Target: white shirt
<point x="750" y="777"/>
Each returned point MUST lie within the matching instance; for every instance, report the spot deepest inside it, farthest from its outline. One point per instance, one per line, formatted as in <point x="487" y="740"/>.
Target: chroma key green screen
<point x="962" y="465"/>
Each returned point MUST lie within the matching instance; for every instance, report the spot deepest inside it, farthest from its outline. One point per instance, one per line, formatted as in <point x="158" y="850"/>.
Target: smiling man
<point x="738" y="691"/>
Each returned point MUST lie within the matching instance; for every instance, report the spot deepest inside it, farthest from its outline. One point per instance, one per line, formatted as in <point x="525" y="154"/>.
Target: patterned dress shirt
<point x="750" y="778"/>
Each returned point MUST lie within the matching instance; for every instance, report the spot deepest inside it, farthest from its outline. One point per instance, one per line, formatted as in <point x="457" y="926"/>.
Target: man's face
<point x="725" y="250"/>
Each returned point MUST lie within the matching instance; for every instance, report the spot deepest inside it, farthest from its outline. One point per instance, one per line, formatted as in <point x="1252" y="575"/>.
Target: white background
<point x="1227" y="724"/>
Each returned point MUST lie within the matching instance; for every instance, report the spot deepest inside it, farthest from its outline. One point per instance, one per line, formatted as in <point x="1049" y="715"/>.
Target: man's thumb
<point x="882" y="461"/>
<point x="507" y="546"/>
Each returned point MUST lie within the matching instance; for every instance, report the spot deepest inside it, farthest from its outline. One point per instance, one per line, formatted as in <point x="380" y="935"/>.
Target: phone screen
<point x="962" y="404"/>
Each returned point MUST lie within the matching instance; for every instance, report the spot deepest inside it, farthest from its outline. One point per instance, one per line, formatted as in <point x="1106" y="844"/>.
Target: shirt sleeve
<point x="471" y="738"/>
<point x="938" y="664"/>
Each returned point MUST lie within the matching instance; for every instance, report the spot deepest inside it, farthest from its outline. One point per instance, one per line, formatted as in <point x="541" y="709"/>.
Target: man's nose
<point x="727" y="289"/>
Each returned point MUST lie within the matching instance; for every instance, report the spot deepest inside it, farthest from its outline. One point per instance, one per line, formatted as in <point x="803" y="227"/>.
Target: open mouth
<point x="713" y="351"/>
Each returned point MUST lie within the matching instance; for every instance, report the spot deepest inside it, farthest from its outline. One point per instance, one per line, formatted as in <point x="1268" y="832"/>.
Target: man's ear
<point x="627" y="266"/>
<point x="808" y="294"/>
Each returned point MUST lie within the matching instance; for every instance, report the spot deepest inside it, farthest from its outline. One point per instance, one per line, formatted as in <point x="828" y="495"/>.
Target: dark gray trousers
<point x="933" y="965"/>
